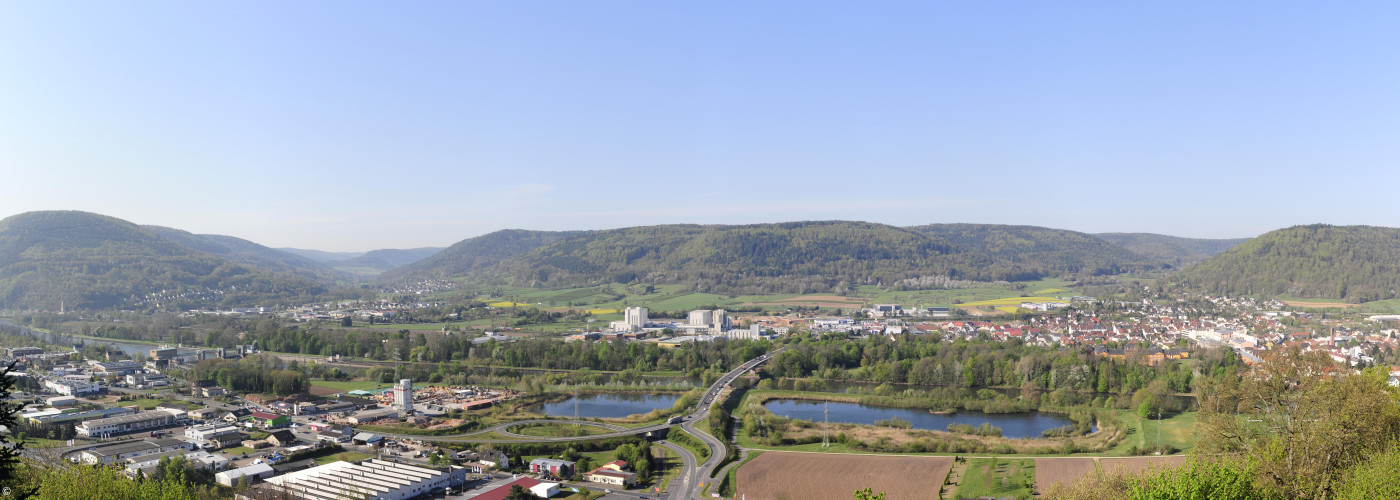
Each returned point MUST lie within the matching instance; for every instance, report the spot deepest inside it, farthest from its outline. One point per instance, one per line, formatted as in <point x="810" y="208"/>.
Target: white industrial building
<point x="254" y="473"/>
<point x="69" y="386"/>
<point x="109" y="454"/>
<point x="127" y="424"/>
<point x="372" y="415"/>
<point x="634" y="319"/>
<point x="403" y="397"/>
<point x="378" y="479"/>
<point x="706" y="322"/>
<point x="753" y="332"/>
<point x="203" y="433"/>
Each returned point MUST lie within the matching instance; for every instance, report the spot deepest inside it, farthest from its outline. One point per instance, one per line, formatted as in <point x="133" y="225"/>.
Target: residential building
<point x="560" y="468"/>
<point x="612" y="473"/>
<point x="282" y="438"/>
<point x="535" y="487"/>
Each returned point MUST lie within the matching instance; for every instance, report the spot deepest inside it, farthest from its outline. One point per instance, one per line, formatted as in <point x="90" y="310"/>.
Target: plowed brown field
<point x="1052" y="471"/>
<point x="804" y="476"/>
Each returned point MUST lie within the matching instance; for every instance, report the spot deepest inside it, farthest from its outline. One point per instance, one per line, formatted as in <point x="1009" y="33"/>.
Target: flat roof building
<point x="126" y="424"/>
<point x="203" y="433"/>
<point x="378" y="479"/>
<point x="110" y="454"/>
<point x="254" y="473"/>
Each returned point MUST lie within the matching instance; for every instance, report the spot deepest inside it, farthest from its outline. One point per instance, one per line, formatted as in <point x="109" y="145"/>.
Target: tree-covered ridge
<point x="474" y="254"/>
<point x="1351" y="263"/>
<point x="241" y="251"/>
<point x="1176" y="251"/>
<point x="81" y="259"/>
<point x="1039" y="251"/>
<point x="786" y="257"/>
<point x="388" y="258"/>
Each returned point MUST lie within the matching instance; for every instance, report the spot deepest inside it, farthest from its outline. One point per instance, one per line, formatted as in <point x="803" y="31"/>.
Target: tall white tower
<point x="403" y="397"/>
<point x="636" y="317"/>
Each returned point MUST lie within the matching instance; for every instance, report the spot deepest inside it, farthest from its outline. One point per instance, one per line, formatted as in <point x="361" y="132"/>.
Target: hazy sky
<point x="356" y="125"/>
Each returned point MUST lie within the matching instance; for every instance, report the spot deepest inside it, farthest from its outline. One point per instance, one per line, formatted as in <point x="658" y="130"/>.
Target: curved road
<point x="684" y="487"/>
<point x="701" y="411"/>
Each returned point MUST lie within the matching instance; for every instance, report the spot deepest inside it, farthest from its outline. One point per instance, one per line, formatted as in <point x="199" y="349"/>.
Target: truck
<point x="675" y="420"/>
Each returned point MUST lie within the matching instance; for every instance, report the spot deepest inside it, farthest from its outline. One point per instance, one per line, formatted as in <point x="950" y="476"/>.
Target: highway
<point x="686" y="486"/>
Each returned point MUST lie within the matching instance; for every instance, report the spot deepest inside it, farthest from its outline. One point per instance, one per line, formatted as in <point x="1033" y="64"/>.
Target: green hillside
<point x="474" y="254"/>
<point x="1351" y="263"/>
<point x="759" y="258"/>
<point x="1039" y="251"/>
<point x="241" y="251"/>
<point x="1176" y="251"/>
<point x="80" y="259"/>
<point x="388" y="258"/>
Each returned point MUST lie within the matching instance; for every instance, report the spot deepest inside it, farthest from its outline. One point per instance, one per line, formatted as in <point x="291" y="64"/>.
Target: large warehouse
<point x="376" y="479"/>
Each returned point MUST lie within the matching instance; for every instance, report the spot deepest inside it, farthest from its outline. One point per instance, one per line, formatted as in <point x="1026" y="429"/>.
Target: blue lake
<point x="1012" y="425"/>
<point x="607" y="405"/>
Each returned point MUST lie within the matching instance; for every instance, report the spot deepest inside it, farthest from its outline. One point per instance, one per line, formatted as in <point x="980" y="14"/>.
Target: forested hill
<point x="386" y="259"/>
<point x="1351" y="263"/>
<point x="474" y="254"/>
<point x="241" y="251"/>
<point x="1179" y="252"/>
<point x="796" y="256"/>
<point x="1040" y="250"/>
<point x="80" y="259"/>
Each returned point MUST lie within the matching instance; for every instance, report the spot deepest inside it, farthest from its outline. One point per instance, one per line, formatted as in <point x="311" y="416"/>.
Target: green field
<point x="1391" y="306"/>
<point x="344" y="456"/>
<point x="1179" y="431"/>
<point x="678" y="298"/>
<point x="997" y="477"/>
<point x="1010" y="301"/>
<point x="147" y="404"/>
<point x="559" y="430"/>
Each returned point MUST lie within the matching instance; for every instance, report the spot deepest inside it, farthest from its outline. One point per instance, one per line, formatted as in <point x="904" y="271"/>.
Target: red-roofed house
<point x="612" y="473"/>
<point x="538" y="488"/>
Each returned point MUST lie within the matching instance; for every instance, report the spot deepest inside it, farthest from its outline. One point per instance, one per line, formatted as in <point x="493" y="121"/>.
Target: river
<point x="607" y="405"/>
<point x="1012" y="425"/>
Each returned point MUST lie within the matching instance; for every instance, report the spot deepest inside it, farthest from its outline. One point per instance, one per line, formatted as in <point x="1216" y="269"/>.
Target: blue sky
<point x="353" y="125"/>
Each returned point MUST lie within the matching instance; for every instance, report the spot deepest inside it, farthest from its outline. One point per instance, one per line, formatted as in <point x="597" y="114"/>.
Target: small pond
<point x="1012" y="425"/>
<point x="607" y="405"/>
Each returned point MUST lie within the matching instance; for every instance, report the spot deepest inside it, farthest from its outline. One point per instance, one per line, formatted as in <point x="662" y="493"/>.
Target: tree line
<point x="929" y="360"/>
